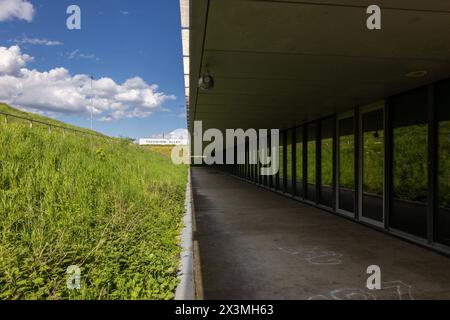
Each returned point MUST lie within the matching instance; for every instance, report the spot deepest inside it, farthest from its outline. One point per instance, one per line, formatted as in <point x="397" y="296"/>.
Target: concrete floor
<point x="255" y="244"/>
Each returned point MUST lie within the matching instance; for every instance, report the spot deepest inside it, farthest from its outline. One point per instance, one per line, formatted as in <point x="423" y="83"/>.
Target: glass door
<point x="299" y="156"/>
<point x="442" y="231"/>
<point x="311" y="137"/>
<point x="345" y="196"/>
<point x="326" y="162"/>
<point x="371" y="192"/>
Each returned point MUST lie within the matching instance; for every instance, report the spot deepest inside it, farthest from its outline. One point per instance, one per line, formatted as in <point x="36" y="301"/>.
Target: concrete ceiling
<point x="277" y="64"/>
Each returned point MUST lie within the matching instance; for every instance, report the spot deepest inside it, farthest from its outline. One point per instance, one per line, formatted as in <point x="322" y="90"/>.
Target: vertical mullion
<point x="432" y="163"/>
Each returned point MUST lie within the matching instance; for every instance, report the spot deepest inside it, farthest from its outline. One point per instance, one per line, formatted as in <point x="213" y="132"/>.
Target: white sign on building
<point x="162" y="141"/>
<point x="175" y="138"/>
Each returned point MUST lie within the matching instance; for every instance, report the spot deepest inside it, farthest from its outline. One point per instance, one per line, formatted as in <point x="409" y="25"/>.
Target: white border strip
<point x="186" y="287"/>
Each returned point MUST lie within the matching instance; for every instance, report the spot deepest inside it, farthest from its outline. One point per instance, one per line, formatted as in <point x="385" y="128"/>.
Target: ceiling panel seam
<point x="346" y="5"/>
<point x="321" y="55"/>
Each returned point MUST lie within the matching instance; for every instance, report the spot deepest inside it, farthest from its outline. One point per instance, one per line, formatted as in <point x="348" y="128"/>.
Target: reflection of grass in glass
<point x="299" y="161"/>
<point x="289" y="161"/>
<point x="444" y="164"/>
<point x="410" y="163"/>
<point x="327" y="162"/>
<point x="258" y="168"/>
<point x="347" y="162"/>
<point x="373" y="159"/>
<point x="281" y="162"/>
<point x="311" y="162"/>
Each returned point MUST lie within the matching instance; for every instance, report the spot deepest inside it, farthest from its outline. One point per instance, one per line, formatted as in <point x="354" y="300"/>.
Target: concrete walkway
<point x="254" y="244"/>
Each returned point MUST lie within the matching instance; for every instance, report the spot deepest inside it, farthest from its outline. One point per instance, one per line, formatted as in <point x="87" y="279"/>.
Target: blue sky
<point x="118" y="40"/>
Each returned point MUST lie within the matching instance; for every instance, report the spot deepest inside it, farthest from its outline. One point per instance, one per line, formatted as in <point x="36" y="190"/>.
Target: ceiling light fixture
<point x="206" y="81"/>
<point x="417" y="74"/>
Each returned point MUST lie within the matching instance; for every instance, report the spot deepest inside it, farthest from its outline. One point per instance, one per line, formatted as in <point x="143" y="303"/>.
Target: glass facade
<point x="311" y="151"/>
<point x="372" y="157"/>
<point x="266" y="157"/>
<point x="442" y="223"/>
<point x="387" y="164"/>
<point x="346" y="164"/>
<point x="299" y="162"/>
<point x="258" y="166"/>
<point x="289" y="155"/>
<point x="247" y="163"/>
<point x="410" y="162"/>
<point x="271" y="178"/>
<point x="282" y="162"/>
<point x="326" y="162"/>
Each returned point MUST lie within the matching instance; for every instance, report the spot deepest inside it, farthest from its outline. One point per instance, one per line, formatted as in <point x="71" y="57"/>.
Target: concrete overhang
<point x="277" y="64"/>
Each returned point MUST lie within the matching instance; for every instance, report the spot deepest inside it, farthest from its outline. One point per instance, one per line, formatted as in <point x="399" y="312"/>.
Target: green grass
<point x="163" y="150"/>
<point x="111" y="208"/>
<point x="35" y="117"/>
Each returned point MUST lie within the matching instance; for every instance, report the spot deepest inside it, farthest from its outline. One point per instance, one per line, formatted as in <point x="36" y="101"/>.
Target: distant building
<point x="162" y="141"/>
<point x="174" y="138"/>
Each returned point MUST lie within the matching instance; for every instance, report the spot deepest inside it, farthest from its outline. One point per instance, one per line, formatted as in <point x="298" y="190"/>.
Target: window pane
<point x="326" y="162"/>
<point x="443" y="214"/>
<point x="410" y="163"/>
<point x="311" y="163"/>
<point x="270" y="178"/>
<point x="281" y="170"/>
<point x="251" y="166"/>
<point x="266" y="156"/>
<point x="247" y="164"/>
<point x="289" y="177"/>
<point x="258" y="167"/>
<point x="373" y="164"/>
<point x="346" y="154"/>
<point x="299" y="162"/>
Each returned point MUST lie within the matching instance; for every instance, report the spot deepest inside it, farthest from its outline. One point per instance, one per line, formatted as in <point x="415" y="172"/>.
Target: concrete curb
<point x="186" y="287"/>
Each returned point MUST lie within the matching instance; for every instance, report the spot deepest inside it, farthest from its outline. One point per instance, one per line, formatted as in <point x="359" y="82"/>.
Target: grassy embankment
<point x="109" y="207"/>
<point x="163" y="150"/>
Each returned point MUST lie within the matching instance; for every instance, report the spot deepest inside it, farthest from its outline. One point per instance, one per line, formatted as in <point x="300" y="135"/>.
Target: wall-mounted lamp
<point x="206" y="81"/>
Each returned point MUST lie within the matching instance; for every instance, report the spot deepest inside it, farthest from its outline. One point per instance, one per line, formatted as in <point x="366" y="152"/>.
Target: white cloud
<point x="180" y="133"/>
<point x="58" y="92"/>
<point x="37" y="41"/>
<point x="12" y="60"/>
<point x="16" y="9"/>
<point x="125" y="13"/>
<point x="77" y="54"/>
